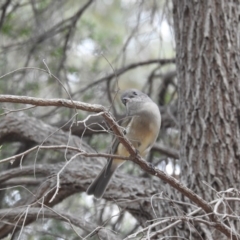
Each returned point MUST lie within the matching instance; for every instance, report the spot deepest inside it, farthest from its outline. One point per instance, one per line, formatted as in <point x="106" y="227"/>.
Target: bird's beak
<point x="125" y="100"/>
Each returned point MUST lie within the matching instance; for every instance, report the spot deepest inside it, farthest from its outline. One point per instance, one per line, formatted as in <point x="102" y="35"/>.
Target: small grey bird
<point x="142" y="128"/>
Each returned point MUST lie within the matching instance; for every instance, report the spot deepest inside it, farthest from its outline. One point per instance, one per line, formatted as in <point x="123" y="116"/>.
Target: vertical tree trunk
<point x="207" y="37"/>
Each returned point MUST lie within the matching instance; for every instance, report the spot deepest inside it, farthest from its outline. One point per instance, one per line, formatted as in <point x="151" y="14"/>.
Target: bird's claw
<point x="151" y="165"/>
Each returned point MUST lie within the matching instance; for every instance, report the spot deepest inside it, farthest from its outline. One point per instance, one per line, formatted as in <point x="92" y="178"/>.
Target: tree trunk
<point x="207" y="45"/>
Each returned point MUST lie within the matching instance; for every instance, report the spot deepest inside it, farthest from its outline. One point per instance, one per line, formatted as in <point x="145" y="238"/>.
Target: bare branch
<point x="32" y="212"/>
<point x="135" y="158"/>
<point x="121" y="71"/>
<point x="64" y="147"/>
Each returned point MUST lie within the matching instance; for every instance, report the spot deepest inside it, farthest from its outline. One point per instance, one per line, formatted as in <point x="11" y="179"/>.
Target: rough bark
<point x="207" y="44"/>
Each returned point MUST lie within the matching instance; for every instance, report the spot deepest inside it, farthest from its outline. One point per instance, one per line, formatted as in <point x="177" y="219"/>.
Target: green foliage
<point x="97" y="142"/>
<point x="88" y="96"/>
<point x="104" y="27"/>
<point x="57" y="52"/>
<point x="45" y="237"/>
<point x="1" y="111"/>
<point x="6" y="149"/>
<point x="72" y="69"/>
<point x="167" y="97"/>
<point x="32" y="87"/>
<point x="8" y="26"/>
<point x="25" y="31"/>
<point x="43" y="4"/>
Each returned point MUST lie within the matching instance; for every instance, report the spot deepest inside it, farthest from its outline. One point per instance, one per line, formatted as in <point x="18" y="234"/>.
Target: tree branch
<point x="121" y="71"/>
<point x="45" y="212"/>
<point x="135" y="158"/>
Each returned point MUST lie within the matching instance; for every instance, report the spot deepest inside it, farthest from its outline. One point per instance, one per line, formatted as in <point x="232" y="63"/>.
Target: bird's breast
<point x="142" y="132"/>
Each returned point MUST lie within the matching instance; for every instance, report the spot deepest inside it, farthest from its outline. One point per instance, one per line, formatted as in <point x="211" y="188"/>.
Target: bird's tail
<point x="100" y="183"/>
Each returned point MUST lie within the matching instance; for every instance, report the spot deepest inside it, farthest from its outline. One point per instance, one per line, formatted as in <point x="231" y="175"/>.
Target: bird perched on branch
<point x="142" y="128"/>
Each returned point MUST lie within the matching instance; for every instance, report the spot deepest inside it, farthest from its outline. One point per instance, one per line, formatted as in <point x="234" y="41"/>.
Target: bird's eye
<point x="134" y="93"/>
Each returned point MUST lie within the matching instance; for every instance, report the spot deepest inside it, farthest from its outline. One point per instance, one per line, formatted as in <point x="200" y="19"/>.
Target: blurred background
<point x="88" y="51"/>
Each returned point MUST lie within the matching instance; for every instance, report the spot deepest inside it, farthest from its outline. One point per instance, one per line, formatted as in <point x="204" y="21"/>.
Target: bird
<point x="143" y="121"/>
